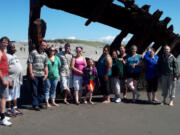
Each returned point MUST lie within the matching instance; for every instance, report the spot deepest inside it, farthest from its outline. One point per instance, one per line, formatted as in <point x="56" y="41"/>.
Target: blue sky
<point x="15" y="20"/>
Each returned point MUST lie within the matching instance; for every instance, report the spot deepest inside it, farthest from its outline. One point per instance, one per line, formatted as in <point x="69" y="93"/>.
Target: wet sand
<point x="100" y="119"/>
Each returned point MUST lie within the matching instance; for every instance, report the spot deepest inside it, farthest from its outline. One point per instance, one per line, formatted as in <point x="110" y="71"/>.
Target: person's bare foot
<point x="66" y="102"/>
<point x="91" y="102"/>
<point x="171" y="103"/>
<point x="54" y="104"/>
<point x="48" y="105"/>
<point x="156" y="100"/>
<point x="77" y="103"/>
<point x="106" y="101"/>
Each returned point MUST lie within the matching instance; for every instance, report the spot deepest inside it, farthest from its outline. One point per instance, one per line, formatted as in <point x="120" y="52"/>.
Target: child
<point x="90" y="79"/>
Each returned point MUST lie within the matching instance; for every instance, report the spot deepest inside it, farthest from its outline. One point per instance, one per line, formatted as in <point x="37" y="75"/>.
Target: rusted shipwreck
<point x="145" y="27"/>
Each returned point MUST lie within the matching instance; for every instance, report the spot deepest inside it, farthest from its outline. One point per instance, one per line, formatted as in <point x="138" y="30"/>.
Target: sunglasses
<point x="52" y="50"/>
<point x="78" y="51"/>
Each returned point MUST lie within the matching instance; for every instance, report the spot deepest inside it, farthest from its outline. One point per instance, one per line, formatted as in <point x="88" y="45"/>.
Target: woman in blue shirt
<point x="151" y="74"/>
<point x="133" y="64"/>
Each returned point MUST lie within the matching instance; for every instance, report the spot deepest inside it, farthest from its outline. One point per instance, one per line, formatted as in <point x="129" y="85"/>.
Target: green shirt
<point x="53" y="68"/>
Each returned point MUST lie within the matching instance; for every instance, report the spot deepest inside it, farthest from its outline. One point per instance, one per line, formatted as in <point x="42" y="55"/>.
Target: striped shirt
<point x="39" y="61"/>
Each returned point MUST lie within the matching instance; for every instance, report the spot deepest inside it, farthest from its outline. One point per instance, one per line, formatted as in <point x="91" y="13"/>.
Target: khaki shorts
<point x="66" y="82"/>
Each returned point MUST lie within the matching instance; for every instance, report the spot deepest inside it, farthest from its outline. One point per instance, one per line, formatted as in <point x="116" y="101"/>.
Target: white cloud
<point x="107" y="39"/>
<point x="72" y="37"/>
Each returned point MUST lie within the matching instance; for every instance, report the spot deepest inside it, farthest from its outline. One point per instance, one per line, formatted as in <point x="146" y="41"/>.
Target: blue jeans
<point x="51" y="88"/>
<point x="38" y="90"/>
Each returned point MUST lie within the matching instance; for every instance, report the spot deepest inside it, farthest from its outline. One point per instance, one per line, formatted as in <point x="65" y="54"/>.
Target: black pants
<point x="104" y="86"/>
<point x="152" y="85"/>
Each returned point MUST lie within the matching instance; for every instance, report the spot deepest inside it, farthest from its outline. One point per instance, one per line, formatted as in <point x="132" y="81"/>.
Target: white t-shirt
<point x="15" y="69"/>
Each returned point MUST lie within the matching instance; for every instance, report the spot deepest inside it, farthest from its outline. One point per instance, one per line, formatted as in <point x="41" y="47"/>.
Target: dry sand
<point x="99" y="119"/>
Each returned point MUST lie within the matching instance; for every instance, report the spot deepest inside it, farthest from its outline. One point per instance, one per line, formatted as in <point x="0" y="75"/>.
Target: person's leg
<point x="149" y="88"/>
<point x="4" y="92"/>
<point x="107" y="91"/>
<point x="15" y="108"/>
<point x="135" y="89"/>
<point x="53" y="91"/>
<point x="76" y="89"/>
<point x="47" y="91"/>
<point x="102" y="87"/>
<point x="80" y="95"/>
<point x="15" y="96"/>
<point x="154" y="89"/>
<point x="3" y="118"/>
<point x="9" y="111"/>
<point x="113" y="87"/>
<point x="165" y="88"/>
<point x="117" y="89"/>
<point x="87" y="96"/>
<point x="124" y="88"/>
<point x="76" y="95"/>
<point x="64" y="86"/>
<point x="41" y="91"/>
<point x="172" y="91"/>
<point x="9" y="101"/>
<point x="66" y="96"/>
<point x="3" y="108"/>
<point x="90" y="97"/>
<point x="35" y="82"/>
<point x="80" y="89"/>
<point x="131" y="86"/>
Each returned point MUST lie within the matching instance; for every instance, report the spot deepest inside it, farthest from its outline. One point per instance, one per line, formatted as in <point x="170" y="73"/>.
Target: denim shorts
<point x="4" y="90"/>
<point x="77" y="82"/>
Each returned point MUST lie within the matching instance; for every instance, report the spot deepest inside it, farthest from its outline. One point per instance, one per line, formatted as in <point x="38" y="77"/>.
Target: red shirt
<point x="4" y="68"/>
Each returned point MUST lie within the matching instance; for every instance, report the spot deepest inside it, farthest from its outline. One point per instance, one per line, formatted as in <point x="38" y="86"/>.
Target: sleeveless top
<point x="4" y="65"/>
<point x="79" y="64"/>
<point x="101" y="67"/>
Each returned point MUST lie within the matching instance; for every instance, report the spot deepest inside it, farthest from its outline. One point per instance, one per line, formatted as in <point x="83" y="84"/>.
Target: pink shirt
<point x="79" y="64"/>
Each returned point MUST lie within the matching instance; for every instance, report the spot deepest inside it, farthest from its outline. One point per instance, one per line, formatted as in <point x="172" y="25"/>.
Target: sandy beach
<point x="99" y="119"/>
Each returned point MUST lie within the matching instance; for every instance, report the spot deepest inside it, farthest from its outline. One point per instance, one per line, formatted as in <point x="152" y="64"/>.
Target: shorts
<point x="4" y="90"/>
<point x="66" y="82"/>
<point x="77" y="82"/>
<point x="14" y="93"/>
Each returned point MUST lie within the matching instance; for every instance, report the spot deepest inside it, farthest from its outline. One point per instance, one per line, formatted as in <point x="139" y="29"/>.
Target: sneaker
<point x="5" y="122"/>
<point x="118" y="100"/>
<point x="17" y="112"/>
<point x="7" y="118"/>
<point x="10" y="113"/>
<point x="114" y="99"/>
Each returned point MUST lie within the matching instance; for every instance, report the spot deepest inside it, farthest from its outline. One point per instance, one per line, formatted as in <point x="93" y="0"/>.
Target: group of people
<point x="115" y="71"/>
